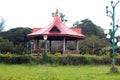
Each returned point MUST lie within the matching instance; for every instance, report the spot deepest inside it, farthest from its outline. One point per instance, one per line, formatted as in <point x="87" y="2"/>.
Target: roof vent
<point x="54" y="30"/>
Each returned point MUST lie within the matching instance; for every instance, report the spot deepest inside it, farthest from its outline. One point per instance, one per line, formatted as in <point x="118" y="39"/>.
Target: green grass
<point x="55" y="72"/>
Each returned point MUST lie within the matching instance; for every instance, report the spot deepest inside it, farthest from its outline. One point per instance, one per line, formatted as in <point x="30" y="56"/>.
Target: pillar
<point x="35" y="44"/>
<point x="45" y="46"/>
<point x="63" y="45"/>
<point x="77" y="45"/>
<point x="66" y="44"/>
<point x="50" y="46"/>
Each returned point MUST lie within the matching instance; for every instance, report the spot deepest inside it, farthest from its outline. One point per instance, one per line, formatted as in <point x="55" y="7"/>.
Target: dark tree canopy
<point x="89" y="28"/>
<point x="95" y="38"/>
<point x="17" y="35"/>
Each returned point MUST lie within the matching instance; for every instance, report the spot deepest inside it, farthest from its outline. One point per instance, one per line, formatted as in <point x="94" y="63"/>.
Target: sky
<point x="37" y="13"/>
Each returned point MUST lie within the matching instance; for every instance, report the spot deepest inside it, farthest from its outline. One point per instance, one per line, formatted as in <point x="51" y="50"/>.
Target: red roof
<point x="78" y="30"/>
<point x="36" y="29"/>
<point x="57" y="29"/>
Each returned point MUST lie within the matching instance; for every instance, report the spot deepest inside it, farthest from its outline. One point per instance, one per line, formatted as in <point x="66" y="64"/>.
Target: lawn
<point x="55" y="72"/>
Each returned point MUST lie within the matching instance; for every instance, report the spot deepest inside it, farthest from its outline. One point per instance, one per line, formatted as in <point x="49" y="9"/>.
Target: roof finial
<point x="57" y="12"/>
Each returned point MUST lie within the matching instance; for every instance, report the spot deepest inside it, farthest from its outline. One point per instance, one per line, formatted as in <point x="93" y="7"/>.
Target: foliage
<point x="89" y="28"/>
<point x="19" y="49"/>
<point x="19" y="41"/>
<point x="15" y="59"/>
<point x="93" y="45"/>
<point x="10" y="58"/>
<point x="2" y="24"/>
<point x="58" y="54"/>
<point x="62" y="16"/>
<point x="6" y="45"/>
<point x="75" y="60"/>
<point x="117" y="49"/>
<point x="95" y="38"/>
<point x="101" y="60"/>
<point x="108" y="50"/>
<point x="17" y="35"/>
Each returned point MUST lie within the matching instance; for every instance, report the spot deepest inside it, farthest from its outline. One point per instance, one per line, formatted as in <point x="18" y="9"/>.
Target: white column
<point x="34" y="44"/>
<point x="45" y="46"/>
<point x="77" y="44"/>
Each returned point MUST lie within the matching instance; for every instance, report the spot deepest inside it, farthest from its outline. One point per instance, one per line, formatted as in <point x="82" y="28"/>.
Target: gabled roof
<point x="57" y="29"/>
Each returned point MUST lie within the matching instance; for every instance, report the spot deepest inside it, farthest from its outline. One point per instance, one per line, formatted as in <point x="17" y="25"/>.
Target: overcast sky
<point x="37" y="13"/>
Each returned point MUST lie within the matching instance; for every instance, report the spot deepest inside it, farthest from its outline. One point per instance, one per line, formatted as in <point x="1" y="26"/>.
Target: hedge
<point x="16" y="59"/>
<point x="62" y="60"/>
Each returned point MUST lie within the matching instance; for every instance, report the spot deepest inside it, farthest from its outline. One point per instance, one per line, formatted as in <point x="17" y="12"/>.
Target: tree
<point x="6" y="45"/>
<point x="17" y="35"/>
<point x="76" y="24"/>
<point x="93" y="44"/>
<point x="89" y="28"/>
<point x="2" y="24"/>
<point x="95" y="38"/>
<point x="62" y="16"/>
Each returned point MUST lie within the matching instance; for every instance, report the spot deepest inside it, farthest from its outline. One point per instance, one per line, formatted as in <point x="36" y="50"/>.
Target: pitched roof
<point x="57" y="28"/>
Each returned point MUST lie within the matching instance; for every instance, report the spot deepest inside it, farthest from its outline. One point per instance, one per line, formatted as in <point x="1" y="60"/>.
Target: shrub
<point x="61" y="60"/>
<point x="73" y="60"/>
<point x="6" y="46"/>
<point x="15" y="59"/>
<point x="19" y="49"/>
<point x="57" y="54"/>
<point x="46" y="59"/>
<point x="117" y="61"/>
<point x="101" y="60"/>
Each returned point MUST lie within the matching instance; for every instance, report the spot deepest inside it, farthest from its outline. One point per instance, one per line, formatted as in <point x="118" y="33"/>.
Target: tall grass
<point x="56" y="72"/>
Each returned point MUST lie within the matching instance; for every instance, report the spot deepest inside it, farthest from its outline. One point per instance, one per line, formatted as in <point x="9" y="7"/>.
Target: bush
<point x="74" y="60"/>
<point x="117" y="61"/>
<point x="58" y="54"/>
<point x="15" y="59"/>
<point x="61" y="60"/>
<point x="19" y="49"/>
<point x="101" y="60"/>
<point x="6" y="46"/>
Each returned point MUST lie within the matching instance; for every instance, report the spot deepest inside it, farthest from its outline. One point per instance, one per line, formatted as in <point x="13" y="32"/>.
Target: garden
<point x="93" y="62"/>
<point x="57" y="67"/>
